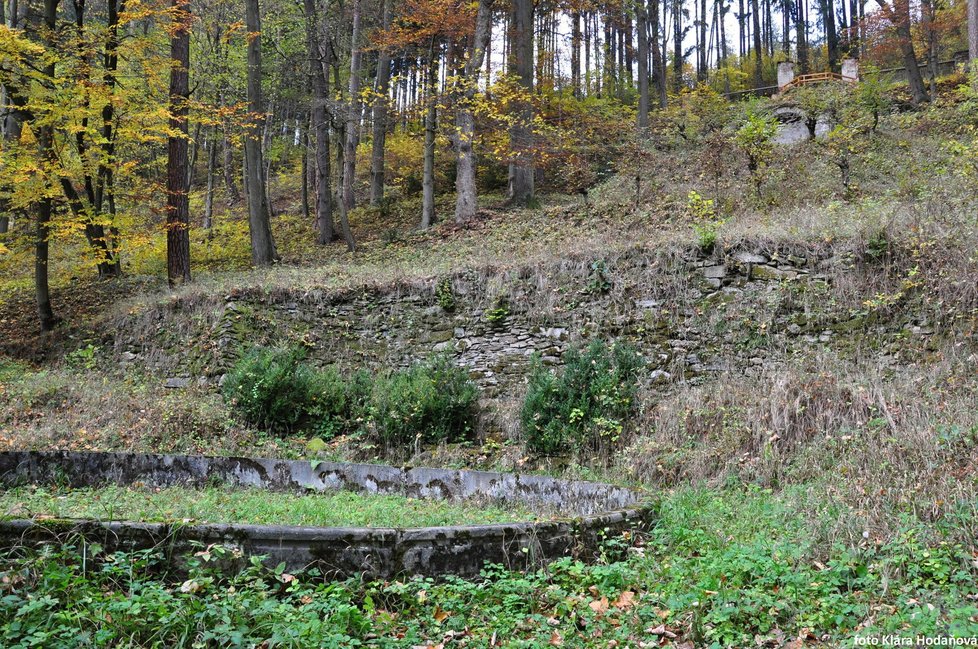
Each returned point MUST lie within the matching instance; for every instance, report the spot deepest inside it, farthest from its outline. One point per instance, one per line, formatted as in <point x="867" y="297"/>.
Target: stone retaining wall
<point x="600" y="511"/>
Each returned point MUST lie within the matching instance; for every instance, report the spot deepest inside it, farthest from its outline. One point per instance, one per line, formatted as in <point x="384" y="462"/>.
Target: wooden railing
<point x="815" y="77"/>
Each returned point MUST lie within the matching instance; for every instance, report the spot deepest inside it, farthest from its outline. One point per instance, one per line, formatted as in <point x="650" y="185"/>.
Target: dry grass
<point x="874" y="440"/>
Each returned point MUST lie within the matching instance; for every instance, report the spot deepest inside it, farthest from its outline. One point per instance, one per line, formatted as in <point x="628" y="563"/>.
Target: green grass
<point x="723" y="568"/>
<point x="223" y="505"/>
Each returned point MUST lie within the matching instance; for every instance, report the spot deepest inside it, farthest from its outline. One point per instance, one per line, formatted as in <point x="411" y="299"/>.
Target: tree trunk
<point x="702" y="72"/>
<point x="677" y="60"/>
<point x="831" y="36"/>
<point x="325" y="232"/>
<point x="211" y="169"/>
<point x="801" y="35"/>
<point x="758" y="72"/>
<point x="105" y="181"/>
<point x="768" y="28"/>
<point x="972" y="31"/>
<point x="177" y="178"/>
<point x="352" y="123"/>
<point x="306" y="142"/>
<point x="642" y="22"/>
<point x="586" y="81"/>
<point x="430" y="124"/>
<point x="658" y="66"/>
<point x="576" y="53"/>
<point x="466" y="88"/>
<point x="741" y="20"/>
<point x="262" y="245"/>
<point x="521" y="131"/>
<point x="227" y="168"/>
<point x="10" y="127"/>
<point x="928" y="11"/>
<point x="43" y="207"/>
<point x="194" y="145"/>
<point x="381" y="107"/>
<point x="899" y="15"/>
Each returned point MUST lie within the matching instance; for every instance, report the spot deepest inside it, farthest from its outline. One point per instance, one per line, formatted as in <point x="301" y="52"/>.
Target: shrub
<point x="755" y="138"/>
<point x="585" y="408"/>
<point x="336" y="404"/>
<point x="430" y="402"/>
<point x="270" y="388"/>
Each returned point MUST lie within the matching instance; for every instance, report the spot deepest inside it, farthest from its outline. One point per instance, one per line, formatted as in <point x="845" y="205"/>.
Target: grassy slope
<point x="865" y="517"/>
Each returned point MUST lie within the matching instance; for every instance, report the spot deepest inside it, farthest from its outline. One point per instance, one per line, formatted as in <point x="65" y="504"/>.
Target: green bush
<point x="585" y="408"/>
<point x="271" y="389"/>
<point x="275" y="390"/>
<point x="337" y="404"/>
<point x="430" y="402"/>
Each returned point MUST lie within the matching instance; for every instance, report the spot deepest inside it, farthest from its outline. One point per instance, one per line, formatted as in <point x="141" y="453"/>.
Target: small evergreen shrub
<point x="337" y="404"/>
<point x="587" y="406"/>
<point x="274" y="390"/>
<point x="430" y="402"/>
<point x="270" y="389"/>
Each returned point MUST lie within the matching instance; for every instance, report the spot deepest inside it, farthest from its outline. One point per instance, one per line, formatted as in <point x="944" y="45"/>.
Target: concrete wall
<point x="598" y="511"/>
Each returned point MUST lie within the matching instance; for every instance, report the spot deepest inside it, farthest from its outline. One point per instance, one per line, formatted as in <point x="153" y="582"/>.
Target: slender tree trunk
<point x="658" y="68"/>
<point x="352" y="123"/>
<point x="831" y="36"/>
<point x="430" y="124"/>
<point x="89" y="211"/>
<point x="177" y="177"/>
<point x="928" y="16"/>
<point x="598" y="51"/>
<point x="43" y="207"/>
<point x="521" y="132"/>
<point x="306" y="144"/>
<point x="972" y="31"/>
<point x="227" y="169"/>
<point x="319" y="73"/>
<point x="702" y="72"/>
<point x="259" y="220"/>
<point x="642" y="21"/>
<point x="609" y="56"/>
<point x="801" y="35"/>
<point x="381" y="107"/>
<point x="758" y="72"/>
<point x="194" y="145"/>
<point x="899" y="15"/>
<point x="211" y="181"/>
<point x="854" y="28"/>
<point x="7" y="127"/>
<point x="587" y="53"/>
<point x="741" y="21"/>
<point x="105" y="175"/>
<point x="786" y="8"/>
<point x="465" y="187"/>
<point x="677" y="60"/>
<point x="576" y="52"/>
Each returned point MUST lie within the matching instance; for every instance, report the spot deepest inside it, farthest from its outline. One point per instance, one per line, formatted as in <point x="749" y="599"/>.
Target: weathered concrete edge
<point x="91" y="469"/>
<point x="371" y="552"/>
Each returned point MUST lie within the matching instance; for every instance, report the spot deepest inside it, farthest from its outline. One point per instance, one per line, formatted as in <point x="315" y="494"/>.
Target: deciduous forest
<point x="703" y="274"/>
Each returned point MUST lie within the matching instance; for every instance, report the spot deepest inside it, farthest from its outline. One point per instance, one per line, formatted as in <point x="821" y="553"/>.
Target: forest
<point x="488" y="323"/>
<point x="124" y="121"/>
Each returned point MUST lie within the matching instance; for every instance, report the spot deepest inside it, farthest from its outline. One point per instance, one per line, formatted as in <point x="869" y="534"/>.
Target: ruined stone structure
<point x="591" y="512"/>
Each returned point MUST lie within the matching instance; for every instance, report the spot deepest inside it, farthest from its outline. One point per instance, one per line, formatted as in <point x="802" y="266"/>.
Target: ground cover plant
<point x="745" y="568"/>
<point x="259" y="507"/>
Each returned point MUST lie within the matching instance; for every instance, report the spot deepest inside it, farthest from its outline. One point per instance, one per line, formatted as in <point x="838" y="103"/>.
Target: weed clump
<point x="585" y="408"/>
